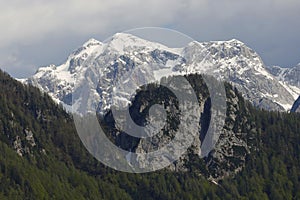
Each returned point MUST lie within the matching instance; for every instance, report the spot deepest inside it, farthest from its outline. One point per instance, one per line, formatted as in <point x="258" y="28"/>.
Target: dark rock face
<point x="296" y="106"/>
<point x="236" y="141"/>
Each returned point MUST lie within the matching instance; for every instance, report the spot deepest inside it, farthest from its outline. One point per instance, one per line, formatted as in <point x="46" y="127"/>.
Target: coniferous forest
<point x="41" y="157"/>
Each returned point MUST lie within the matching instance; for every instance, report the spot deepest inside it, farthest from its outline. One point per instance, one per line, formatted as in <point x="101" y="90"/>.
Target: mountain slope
<point x="41" y="155"/>
<point x="67" y="171"/>
<point x="106" y="64"/>
<point x="288" y="75"/>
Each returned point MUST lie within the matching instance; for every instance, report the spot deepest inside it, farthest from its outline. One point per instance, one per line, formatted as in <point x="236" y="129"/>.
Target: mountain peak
<point x="91" y="42"/>
<point x="88" y="47"/>
<point x="121" y="42"/>
<point x="123" y="35"/>
<point x="235" y="41"/>
<point x="232" y="42"/>
<point x="230" y="60"/>
<point x="125" y="38"/>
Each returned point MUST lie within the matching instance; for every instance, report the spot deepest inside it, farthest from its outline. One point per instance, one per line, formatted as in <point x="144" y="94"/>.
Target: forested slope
<point x="41" y="157"/>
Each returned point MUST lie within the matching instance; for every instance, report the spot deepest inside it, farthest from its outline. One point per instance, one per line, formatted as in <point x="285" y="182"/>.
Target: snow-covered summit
<point x="104" y="63"/>
<point x="91" y="42"/>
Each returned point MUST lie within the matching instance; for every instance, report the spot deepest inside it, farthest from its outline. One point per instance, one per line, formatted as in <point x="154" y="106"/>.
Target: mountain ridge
<point x="229" y="60"/>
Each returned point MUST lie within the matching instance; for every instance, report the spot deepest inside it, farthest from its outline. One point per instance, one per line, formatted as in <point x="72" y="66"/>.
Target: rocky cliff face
<point x="288" y="75"/>
<point x="237" y="138"/>
<point x="296" y="106"/>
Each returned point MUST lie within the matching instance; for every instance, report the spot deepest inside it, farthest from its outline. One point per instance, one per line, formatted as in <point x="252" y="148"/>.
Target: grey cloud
<point x="270" y="27"/>
<point x="51" y="29"/>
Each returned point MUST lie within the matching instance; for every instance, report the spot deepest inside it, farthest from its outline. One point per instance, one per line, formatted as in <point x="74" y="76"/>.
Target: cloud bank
<point x="39" y="32"/>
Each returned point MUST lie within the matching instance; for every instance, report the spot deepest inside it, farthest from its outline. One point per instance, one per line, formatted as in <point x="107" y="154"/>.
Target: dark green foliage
<point x="65" y="170"/>
<point x="58" y="167"/>
<point x="274" y="170"/>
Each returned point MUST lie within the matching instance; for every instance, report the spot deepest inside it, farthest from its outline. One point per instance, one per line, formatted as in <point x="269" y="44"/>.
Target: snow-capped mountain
<point x="95" y="69"/>
<point x="290" y="76"/>
<point x="287" y="75"/>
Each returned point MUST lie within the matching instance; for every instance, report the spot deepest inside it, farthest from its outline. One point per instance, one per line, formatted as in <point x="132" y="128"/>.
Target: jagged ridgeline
<point x="270" y="88"/>
<point x="41" y="156"/>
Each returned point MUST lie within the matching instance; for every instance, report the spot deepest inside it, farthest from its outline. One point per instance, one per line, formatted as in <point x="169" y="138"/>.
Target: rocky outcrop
<point x="296" y="106"/>
<point x="24" y="142"/>
<point x="236" y="141"/>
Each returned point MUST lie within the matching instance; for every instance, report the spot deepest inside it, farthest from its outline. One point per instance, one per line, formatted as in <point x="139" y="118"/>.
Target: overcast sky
<point x="38" y="32"/>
